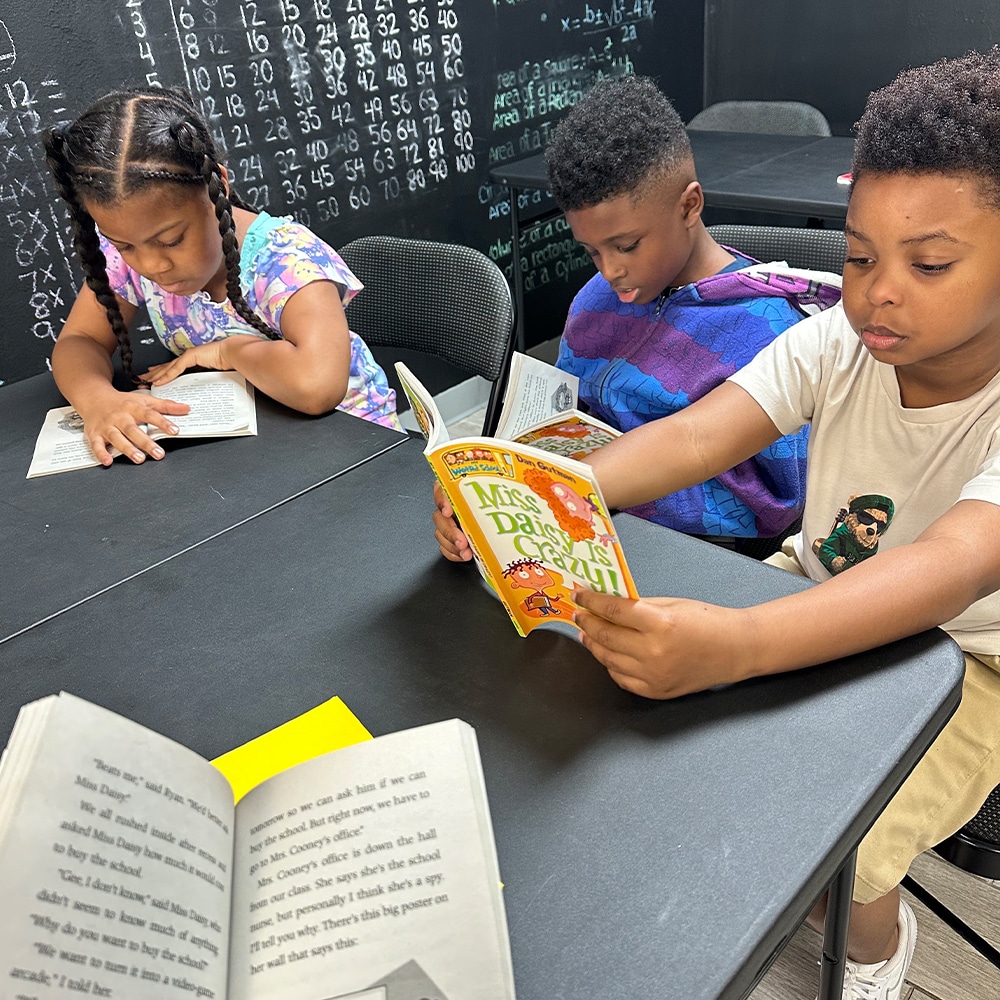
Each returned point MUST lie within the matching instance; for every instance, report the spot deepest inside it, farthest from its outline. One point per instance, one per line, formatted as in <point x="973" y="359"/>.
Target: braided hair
<point x="941" y="118"/>
<point x="127" y="142"/>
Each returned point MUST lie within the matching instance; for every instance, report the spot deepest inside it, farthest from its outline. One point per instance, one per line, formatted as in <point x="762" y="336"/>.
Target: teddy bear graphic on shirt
<point x="856" y="531"/>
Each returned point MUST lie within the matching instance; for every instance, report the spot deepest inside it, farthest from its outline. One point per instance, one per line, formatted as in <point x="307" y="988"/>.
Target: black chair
<point x="814" y="249"/>
<point x="770" y="117"/>
<point x="974" y="849"/>
<point x="441" y="299"/>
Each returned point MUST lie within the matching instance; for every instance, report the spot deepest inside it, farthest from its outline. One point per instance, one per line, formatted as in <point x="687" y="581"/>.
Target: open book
<point x="222" y="405"/>
<point x="126" y="871"/>
<point x="535" y="519"/>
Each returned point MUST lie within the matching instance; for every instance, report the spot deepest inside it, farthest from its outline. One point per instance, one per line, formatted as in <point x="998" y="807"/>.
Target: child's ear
<point x="224" y="174"/>
<point x="692" y="202"/>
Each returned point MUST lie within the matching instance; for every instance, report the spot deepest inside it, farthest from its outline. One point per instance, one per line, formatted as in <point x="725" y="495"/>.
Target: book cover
<point x="536" y="521"/>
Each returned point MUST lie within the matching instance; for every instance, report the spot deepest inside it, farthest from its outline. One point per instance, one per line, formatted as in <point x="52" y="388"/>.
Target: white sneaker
<point x="884" y="980"/>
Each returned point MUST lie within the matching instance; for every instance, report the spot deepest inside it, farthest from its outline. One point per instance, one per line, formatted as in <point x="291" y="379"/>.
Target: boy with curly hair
<point x="671" y="314"/>
<point x="901" y="387"/>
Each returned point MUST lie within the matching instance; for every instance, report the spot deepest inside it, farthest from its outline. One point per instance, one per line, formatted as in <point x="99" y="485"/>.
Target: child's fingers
<point x="453" y="544"/>
<point x="441" y="501"/>
<point x="100" y="449"/>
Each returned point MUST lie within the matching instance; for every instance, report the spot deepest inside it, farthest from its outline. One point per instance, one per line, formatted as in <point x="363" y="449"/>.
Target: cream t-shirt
<point x="902" y="466"/>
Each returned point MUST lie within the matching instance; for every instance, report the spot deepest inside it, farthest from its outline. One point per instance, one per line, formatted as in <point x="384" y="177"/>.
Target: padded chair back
<point x="771" y="117"/>
<point x="443" y="299"/>
<point x="815" y="249"/>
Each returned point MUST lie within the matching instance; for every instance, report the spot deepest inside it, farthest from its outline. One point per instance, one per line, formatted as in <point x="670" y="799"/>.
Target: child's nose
<point x="612" y="269"/>
<point x="153" y="261"/>
<point x="883" y="289"/>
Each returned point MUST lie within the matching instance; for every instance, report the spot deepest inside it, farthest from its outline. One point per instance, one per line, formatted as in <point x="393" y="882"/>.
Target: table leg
<point x="516" y="277"/>
<point x="838" y="918"/>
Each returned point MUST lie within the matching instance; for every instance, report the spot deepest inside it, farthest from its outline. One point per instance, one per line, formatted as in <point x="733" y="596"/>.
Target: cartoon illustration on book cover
<point x="572" y="438"/>
<point x="540" y="530"/>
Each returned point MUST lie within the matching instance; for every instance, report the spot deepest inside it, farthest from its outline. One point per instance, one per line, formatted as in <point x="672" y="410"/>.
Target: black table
<point x="68" y="536"/>
<point x="781" y="174"/>
<point x="647" y="848"/>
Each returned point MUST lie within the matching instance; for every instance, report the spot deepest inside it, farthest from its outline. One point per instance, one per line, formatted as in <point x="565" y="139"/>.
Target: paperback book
<point x="534" y="515"/>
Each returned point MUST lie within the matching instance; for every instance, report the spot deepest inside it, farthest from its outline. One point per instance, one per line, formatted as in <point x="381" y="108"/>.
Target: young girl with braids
<point x="156" y="223"/>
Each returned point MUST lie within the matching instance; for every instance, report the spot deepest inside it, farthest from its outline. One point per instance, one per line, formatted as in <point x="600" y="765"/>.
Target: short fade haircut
<point x="942" y="118"/>
<point x="621" y="134"/>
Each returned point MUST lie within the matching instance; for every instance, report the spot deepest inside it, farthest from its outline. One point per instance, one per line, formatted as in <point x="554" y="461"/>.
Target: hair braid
<point x="209" y="170"/>
<point x="85" y="240"/>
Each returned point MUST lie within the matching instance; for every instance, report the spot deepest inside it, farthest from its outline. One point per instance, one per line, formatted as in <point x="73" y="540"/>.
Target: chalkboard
<point x="353" y="116"/>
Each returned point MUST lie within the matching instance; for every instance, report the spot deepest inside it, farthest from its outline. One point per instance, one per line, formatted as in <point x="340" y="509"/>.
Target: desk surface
<point x="73" y="534"/>
<point x="788" y="174"/>
<point x="647" y="848"/>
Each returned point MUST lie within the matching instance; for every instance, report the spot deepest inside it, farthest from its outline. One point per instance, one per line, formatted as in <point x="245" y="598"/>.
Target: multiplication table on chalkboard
<point x="351" y="116"/>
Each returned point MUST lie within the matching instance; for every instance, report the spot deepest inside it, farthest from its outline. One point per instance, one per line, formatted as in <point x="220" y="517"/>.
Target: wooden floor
<point x="944" y="966"/>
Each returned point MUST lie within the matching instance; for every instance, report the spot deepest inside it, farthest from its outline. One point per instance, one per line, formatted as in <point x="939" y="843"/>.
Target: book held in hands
<point x="127" y="872"/>
<point x="534" y="515"/>
<point x="222" y="405"/>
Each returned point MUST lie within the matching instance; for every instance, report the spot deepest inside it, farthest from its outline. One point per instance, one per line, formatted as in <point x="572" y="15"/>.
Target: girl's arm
<point x="308" y="370"/>
<point x="665" y="647"/>
<point x="81" y="366"/>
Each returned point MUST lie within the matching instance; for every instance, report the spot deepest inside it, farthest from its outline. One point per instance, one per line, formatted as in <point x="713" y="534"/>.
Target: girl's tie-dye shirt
<point x="277" y="258"/>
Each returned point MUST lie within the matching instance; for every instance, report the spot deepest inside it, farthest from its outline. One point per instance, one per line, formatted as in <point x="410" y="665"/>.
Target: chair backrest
<point x="771" y="117"/>
<point x="443" y="299"/>
<point x="816" y="249"/>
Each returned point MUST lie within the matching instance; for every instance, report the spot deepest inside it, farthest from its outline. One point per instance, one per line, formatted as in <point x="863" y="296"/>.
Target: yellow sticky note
<point x="326" y="727"/>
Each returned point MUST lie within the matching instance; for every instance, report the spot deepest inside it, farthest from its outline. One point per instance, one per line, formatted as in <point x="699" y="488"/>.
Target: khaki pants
<point x="946" y="788"/>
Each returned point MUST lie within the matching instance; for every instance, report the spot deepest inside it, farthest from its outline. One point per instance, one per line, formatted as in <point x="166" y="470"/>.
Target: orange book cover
<point x="536" y="521"/>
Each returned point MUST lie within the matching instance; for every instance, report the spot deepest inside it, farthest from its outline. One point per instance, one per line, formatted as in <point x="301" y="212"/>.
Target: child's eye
<point x="858" y="261"/>
<point x="628" y="249"/>
<point x="932" y="268"/>
<point x="175" y="243"/>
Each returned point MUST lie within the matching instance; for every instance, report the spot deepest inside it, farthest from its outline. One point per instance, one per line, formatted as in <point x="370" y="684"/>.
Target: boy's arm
<point x="308" y="369"/>
<point x="665" y="647"/>
<point x="713" y="434"/>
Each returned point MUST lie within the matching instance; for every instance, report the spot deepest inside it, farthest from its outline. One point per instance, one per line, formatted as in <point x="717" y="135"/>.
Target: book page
<point x="61" y="445"/>
<point x="368" y="871"/>
<point x="536" y="391"/>
<point x="115" y="861"/>
<point x="221" y="404"/>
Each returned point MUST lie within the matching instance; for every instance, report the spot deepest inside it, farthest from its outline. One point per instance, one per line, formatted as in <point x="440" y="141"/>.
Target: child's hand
<point x="115" y="421"/>
<point x="210" y="355"/>
<point x="453" y="544"/>
<point x="661" y="647"/>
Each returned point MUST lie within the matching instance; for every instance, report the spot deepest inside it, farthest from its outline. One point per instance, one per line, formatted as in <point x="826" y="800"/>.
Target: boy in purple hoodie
<point x="671" y="314"/>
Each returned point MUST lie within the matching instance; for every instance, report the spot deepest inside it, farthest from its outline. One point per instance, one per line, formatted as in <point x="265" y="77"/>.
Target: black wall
<point x="833" y="55"/>
<point x="354" y="116"/>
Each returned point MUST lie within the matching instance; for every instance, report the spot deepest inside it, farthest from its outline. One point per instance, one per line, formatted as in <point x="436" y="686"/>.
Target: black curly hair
<point x="619" y="136"/>
<point x="941" y="118"/>
<point x="126" y="142"/>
